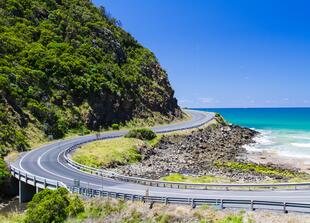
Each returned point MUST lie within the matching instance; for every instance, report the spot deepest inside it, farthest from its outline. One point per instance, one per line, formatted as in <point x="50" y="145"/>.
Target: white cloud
<point x="184" y="101"/>
<point x="207" y="100"/>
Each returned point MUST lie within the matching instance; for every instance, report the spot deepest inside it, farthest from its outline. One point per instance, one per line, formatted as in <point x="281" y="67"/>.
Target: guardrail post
<point x="44" y="183"/>
<point x="166" y="200"/>
<point x="26" y="178"/>
<point x="151" y="204"/>
<point x="252" y="206"/>
<point x="222" y="204"/>
<point x="193" y="203"/>
<point x="19" y="175"/>
<point x="34" y="181"/>
<point x="284" y="208"/>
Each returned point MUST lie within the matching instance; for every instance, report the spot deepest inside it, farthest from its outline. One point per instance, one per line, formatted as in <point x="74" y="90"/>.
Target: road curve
<point x="48" y="162"/>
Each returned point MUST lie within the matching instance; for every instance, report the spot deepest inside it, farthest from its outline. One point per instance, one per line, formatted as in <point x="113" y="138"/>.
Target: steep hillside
<point x="65" y="64"/>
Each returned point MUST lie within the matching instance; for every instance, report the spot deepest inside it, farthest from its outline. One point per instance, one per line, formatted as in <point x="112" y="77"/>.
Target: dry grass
<point x="13" y="217"/>
<point x="102" y="210"/>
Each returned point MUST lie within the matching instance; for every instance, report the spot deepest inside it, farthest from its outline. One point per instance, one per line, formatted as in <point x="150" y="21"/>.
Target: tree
<point x="52" y="206"/>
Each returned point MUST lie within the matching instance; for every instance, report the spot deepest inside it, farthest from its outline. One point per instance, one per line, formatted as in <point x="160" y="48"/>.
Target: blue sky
<point x="226" y="53"/>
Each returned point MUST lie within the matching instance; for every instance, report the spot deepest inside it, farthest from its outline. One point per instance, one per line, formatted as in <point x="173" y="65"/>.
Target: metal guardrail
<point x="194" y="202"/>
<point x="179" y="185"/>
<point x="35" y="181"/>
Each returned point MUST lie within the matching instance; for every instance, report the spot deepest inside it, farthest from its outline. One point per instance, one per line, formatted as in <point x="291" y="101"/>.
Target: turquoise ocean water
<point x="284" y="130"/>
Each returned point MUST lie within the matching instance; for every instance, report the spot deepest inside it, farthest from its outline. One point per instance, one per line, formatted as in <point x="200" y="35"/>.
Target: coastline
<point x="279" y="147"/>
<point x="269" y="156"/>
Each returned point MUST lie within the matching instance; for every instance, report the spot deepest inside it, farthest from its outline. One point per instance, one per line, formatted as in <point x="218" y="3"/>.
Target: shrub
<point x="220" y="119"/>
<point x="143" y="134"/>
<point x="52" y="206"/>
<point x="4" y="173"/>
<point x="76" y="206"/>
<point x="115" y="126"/>
<point x="232" y="219"/>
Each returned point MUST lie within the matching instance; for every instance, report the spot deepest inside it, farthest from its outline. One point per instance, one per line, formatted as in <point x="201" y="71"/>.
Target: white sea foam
<point x="302" y="145"/>
<point x="286" y="143"/>
<point x="301" y="137"/>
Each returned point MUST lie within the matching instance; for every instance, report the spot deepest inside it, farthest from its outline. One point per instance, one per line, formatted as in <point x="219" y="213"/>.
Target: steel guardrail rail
<point x="179" y="185"/>
<point x="35" y="181"/>
<point x="194" y="202"/>
<point x="42" y="182"/>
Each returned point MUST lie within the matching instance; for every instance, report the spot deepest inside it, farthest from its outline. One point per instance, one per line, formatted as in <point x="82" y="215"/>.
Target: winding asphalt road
<point x="48" y="162"/>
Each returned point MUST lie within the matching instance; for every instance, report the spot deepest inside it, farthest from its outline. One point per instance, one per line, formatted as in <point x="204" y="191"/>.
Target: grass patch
<point x="155" y="141"/>
<point x="176" y="177"/>
<point x="261" y="169"/>
<point x="12" y="217"/>
<point x="109" y="152"/>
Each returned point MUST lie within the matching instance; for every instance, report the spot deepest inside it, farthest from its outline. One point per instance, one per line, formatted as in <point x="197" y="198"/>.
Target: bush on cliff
<point x="52" y="206"/>
<point x="115" y="126"/>
<point x="143" y="134"/>
<point x="4" y="173"/>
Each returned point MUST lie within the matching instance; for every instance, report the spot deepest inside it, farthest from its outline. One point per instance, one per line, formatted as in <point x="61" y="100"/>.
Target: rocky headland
<point x="216" y="150"/>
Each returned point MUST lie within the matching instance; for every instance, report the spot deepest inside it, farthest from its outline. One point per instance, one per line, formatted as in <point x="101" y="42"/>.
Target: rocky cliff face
<point x="65" y="64"/>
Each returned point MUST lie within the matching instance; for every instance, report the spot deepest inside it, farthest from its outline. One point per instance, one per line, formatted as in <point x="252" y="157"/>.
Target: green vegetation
<point x="53" y="206"/>
<point x="67" y="65"/>
<point x="126" y="212"/>
<point x="13" y="217"/>
<point x="260" y="169"/>
<point x="155" y="141"/>
<point x="4" y="173"/>
<point x="115" y="126"/>
<point x="58" y="206"/>
<point x="108" y="153"/>
<point x="232" y="219"/>
<point x="143" y="134"/>
<point x="176" y="177"/>
<point x="220" y="119"/>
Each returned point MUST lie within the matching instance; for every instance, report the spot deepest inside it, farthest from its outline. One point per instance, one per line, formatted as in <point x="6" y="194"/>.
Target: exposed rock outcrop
<point x="216" y="150"/>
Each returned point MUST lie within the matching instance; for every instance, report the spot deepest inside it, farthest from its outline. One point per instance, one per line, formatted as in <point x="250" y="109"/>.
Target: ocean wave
<point x="301" y="145"/>
<point x="301" y="137"/>
<point x="263" y="140"/>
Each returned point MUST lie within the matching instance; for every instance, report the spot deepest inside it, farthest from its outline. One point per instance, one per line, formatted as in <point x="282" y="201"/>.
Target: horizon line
<point x="242" y="107"/>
